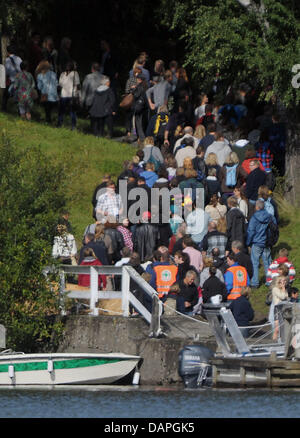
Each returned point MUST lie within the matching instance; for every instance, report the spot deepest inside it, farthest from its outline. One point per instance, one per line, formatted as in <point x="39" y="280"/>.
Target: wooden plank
<point x="285" y="383"/>
<point x="259" y="362"/>
<point x="285" y="372"/>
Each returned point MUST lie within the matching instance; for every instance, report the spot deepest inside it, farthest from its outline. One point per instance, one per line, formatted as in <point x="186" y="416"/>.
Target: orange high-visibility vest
<point x="165" y="277"/>
<point x="239" y="280"/>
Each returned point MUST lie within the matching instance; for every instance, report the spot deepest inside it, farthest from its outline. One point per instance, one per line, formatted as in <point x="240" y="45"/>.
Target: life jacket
<point x="165" y="277"/>
<point x="239" y="280"/>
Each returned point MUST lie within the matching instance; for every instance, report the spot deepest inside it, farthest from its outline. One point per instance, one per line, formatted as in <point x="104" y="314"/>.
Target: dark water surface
<point x="147" y="402"/>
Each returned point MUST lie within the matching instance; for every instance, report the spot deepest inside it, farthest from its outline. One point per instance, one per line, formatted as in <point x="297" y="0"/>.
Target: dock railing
<point x="93" y="294"/>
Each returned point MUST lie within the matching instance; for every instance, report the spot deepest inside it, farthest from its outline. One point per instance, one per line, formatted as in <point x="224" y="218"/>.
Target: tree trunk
<point x="292" y="162"/>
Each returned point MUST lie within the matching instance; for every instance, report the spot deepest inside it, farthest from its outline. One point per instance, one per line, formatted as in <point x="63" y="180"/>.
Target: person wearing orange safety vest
<point x="163" y="275"/>
<point x="235" y="278"/>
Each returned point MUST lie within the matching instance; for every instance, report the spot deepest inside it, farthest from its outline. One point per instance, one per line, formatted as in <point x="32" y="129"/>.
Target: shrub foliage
<point x="32" y="191"/>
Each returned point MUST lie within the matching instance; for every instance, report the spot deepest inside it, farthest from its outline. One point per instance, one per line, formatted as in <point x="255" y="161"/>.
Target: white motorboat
<point x="66" y="368"/>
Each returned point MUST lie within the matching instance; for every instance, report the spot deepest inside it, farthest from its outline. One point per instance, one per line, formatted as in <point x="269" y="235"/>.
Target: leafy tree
<point x="240" y="39"/>
<point x="31" y="195"/>
<point x="254" y="41"/>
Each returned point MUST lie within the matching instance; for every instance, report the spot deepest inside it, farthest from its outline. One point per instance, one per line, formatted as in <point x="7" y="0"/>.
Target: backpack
<point x="231" y="176"/>
<point x="272" y="234"/>
<point x="153" y="160"/>
<point x="160" y="125"/>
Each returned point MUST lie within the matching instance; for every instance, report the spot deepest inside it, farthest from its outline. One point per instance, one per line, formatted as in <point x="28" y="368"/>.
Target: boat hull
<point x="65" y="369"/>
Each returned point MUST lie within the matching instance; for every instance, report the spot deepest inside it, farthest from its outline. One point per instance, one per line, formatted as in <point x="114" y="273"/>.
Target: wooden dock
<point x="270" y="372"/>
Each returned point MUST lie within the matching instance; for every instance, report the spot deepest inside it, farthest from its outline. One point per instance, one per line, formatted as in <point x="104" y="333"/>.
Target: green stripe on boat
<point x="57" y="364"/>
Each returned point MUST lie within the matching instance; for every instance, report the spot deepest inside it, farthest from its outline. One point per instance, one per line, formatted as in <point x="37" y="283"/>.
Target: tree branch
<point x="259" y="12"/>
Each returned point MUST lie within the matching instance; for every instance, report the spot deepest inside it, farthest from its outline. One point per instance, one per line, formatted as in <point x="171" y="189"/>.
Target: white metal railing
<point x="127" y="297"/>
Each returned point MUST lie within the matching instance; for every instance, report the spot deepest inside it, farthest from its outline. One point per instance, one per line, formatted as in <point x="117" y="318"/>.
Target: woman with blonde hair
<point x="47" y="86"/>
<point x="231" y="175"/>
<point x="222" y="225"/>
<point x="208" y="262"/>
<point x="279" y="293"/>
<point x="264" y="194"/>
<point x="211" y="161"/>
<point x="188" y="163"/>
<point x="171" y="165"/>
<point x="152" y="152"/>
<point x="200" y="132"/>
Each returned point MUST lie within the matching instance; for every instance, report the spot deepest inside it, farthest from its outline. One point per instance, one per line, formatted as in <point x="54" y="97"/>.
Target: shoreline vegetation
<point x="88" y="158"/>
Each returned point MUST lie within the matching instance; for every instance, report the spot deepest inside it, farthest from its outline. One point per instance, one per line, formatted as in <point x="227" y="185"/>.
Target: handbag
<point x="269" y="298"/>
<point x="75" y="99"/>
<point x="34" y="94"/>
<point x="127" y="101"/>
<point x="44" y="97"/>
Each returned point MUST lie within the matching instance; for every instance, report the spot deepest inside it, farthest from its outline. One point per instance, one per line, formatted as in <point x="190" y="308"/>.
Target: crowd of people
<point x="222" y="142"/>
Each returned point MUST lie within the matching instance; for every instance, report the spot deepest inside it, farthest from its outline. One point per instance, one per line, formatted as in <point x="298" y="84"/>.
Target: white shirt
<point x="200" y="111"/>
<point x="64" y="246"/>
<point x="123" y="261"/>
<point x="69" y="84"/>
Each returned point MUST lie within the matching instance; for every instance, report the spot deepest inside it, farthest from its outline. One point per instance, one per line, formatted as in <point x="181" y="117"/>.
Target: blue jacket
<point x="150" y="177"/>
<point x="228" y="279"/>
<point x="257" y="228"/>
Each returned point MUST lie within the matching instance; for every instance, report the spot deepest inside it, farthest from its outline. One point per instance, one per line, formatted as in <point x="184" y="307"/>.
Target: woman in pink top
<point x="196" y="259"/>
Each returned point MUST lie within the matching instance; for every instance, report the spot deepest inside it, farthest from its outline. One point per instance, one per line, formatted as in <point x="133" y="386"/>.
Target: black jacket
<point x="103" y="102"/>
<point x="140" y="100"/>
<point x="255" y="179"/>
<point x="117" y="242"/>
<point x="242" y="311"/>
<point x="187" y="293"/>
<point x="213" y="286"/>
<point x="236" y="226"/>
<point x="145" y="240"/>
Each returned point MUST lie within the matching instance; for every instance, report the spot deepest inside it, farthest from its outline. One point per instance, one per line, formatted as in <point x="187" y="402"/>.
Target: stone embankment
<point x="106" y="334"/>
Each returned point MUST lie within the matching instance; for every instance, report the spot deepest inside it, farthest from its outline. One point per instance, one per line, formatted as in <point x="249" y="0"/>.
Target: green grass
<point x="289" y="238"/>
<point x="90" y="158"/>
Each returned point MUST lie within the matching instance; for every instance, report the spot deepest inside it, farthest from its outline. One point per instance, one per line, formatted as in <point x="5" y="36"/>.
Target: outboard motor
<point x="194" y="366"/>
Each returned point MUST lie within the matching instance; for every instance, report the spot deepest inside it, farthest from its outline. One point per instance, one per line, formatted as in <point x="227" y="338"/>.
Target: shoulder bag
<point x="127" y="101"/>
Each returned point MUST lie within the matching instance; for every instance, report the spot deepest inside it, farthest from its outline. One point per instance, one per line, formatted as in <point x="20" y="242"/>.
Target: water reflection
<point x="147" y="402"/>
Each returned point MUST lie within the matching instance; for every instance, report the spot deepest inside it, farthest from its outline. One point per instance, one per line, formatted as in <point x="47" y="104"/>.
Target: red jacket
<point x="246" y="167"/>
<point x="84" y="279"/>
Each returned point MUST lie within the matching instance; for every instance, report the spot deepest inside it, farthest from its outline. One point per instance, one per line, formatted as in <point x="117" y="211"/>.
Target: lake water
<point x="147" y="402"/>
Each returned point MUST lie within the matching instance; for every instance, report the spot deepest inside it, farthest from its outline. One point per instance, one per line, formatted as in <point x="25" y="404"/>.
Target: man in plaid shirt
<point x="263" y="152"/>
<point x="214" y="239"/>
<point x="110" y="203"/>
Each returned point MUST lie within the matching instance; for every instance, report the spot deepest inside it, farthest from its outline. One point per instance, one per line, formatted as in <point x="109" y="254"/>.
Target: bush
<point x="32" y="192"/>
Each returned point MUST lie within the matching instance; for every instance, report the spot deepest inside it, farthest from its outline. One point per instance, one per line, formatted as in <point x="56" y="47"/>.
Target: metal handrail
<point x="93" y="294"/>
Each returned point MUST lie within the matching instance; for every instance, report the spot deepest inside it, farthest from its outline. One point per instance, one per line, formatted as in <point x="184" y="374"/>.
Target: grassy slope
<point x="91" y="157"/>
